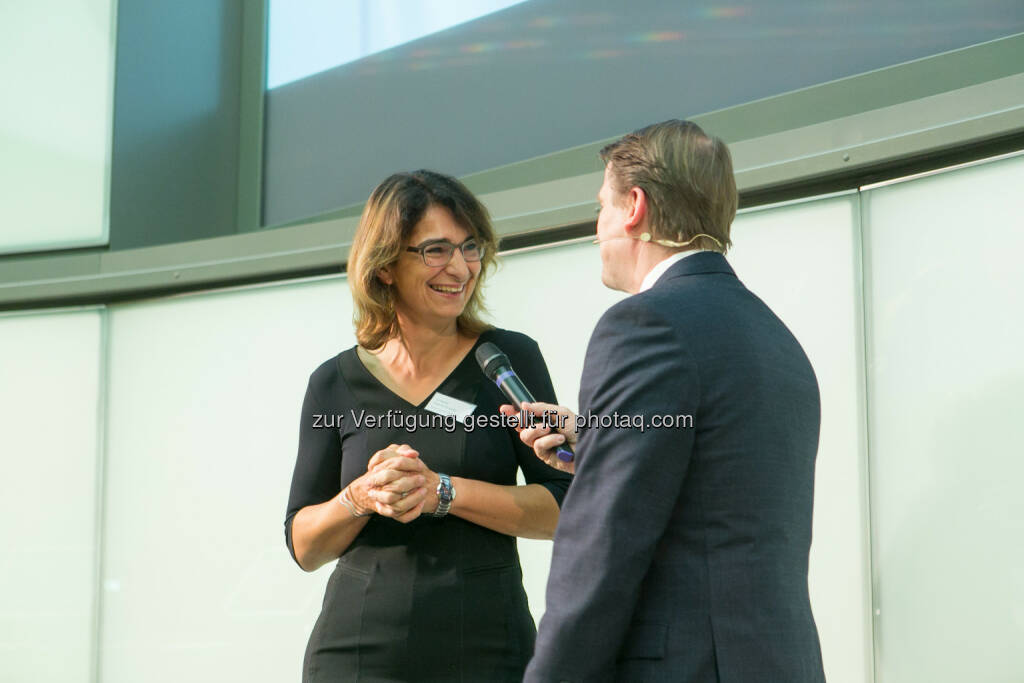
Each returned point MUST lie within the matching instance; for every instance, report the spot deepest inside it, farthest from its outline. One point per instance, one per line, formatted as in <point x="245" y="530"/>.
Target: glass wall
<point x="55" y="124"/>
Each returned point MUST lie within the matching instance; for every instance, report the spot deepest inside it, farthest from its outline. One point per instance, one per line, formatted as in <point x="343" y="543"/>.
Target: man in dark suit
<point x="681" y="553"/>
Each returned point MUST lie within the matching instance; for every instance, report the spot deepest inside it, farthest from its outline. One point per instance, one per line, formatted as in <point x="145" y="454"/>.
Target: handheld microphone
<point x="498" y="369"/>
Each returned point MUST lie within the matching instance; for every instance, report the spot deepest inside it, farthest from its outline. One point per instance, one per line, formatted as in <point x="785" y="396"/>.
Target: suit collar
<point x="662" y="267"/>
<point x="701" y="263"/>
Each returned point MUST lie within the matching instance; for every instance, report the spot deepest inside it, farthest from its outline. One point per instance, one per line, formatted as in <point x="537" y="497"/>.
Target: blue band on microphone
<point x="503" y="376"/>
<point x="563" y="454"/>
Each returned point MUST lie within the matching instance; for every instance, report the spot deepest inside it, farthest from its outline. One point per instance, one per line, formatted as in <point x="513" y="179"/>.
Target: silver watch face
<point x="444" y="489"/>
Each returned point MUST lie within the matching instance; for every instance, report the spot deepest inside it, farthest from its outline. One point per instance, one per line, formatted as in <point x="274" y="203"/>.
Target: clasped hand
<point x="397" y="484"/>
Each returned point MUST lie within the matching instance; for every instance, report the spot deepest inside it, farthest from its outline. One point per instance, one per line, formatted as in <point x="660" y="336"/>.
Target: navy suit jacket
<point x="681" y="552"/>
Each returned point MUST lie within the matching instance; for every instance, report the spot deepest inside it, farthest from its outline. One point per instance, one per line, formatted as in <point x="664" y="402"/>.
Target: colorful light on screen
<point x="724" y="11"/>
<point x="603" y="54"/>
<point x="477" y="48"/>
<point x="585" y="19"/>
<point x="657" y="37"/>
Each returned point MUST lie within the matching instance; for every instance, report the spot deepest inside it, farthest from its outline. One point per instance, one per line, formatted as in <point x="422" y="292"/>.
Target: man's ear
<point x="636" y="216"/>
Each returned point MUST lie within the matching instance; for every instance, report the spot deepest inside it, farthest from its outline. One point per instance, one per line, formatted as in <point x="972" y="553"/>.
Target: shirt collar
<point x="659" y="270"/>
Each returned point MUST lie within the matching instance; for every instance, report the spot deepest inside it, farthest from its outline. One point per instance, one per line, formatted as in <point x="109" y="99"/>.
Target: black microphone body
<point x="498" y="369"/>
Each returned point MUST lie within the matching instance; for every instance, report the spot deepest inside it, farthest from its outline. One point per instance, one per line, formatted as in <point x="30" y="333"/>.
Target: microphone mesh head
<point x="490" y="358"/>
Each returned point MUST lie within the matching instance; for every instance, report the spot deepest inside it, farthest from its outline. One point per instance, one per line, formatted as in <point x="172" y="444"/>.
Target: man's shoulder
<point x="636" y="320"/>
<point x="660" y="308"/>
<point x="635" y="308"/>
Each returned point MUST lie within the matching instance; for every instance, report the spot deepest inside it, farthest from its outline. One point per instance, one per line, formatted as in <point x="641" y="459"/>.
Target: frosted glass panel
<point x="801" y="259"/>
<point x="55" y="122"/>
<point x="205" y="394"/>
<point x="49" y="400"/>
<point x="945" y="394"/>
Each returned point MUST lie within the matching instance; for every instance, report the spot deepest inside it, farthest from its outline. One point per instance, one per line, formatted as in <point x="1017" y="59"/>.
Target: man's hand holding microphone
<point x="544" y="440"/>
<point x="554" y="448"/>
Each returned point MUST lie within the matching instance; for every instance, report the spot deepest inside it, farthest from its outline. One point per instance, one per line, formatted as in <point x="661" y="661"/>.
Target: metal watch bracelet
<point x="445" y="495"/>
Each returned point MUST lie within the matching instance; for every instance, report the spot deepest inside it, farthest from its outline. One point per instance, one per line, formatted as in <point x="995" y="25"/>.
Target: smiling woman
<point x="436" y="282"/>
<point x="428" y="584"/>
<point x="411" y="211"/>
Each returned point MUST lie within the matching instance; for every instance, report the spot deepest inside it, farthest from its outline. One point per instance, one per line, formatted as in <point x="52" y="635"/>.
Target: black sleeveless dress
<point x="438" y="599"/>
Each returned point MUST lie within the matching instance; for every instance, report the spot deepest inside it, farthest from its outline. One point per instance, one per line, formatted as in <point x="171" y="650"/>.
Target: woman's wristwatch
<point x="445" y="495"/>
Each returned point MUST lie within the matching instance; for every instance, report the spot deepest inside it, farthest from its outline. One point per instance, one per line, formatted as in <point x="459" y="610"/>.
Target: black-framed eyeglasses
<point x="438" y="253"/>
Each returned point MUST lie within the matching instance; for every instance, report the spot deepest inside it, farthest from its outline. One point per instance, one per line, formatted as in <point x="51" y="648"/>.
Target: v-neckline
<point x="418" y="406"/>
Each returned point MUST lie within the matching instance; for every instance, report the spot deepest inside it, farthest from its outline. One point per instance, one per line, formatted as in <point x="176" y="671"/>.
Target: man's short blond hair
<point x="687" y="177"/>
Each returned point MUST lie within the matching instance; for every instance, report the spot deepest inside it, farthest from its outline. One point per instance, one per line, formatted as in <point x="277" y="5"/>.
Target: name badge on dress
<point x="446" y="405"/>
